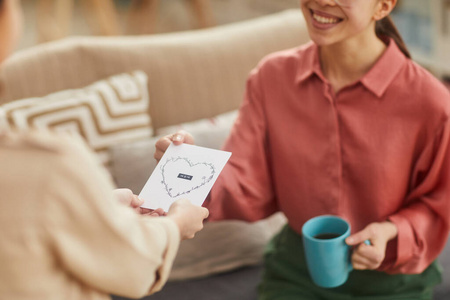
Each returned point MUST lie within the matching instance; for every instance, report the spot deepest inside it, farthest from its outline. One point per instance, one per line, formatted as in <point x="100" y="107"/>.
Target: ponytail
<point x="386" y="27"/>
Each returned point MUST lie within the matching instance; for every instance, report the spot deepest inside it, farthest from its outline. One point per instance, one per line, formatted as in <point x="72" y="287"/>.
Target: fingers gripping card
<point x="184" y="171"/>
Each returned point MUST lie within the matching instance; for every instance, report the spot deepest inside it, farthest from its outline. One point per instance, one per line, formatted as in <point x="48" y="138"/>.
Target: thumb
<point x="205" y="212"/>
<point x="136" y="201"/>
<point x="182" y="137"/>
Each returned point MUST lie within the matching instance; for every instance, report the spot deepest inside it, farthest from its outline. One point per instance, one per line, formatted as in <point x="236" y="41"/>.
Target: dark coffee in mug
<point x="326" y="236"/>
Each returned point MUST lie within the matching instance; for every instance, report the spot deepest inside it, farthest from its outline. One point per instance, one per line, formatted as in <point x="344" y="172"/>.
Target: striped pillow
<point x="107" y="112"/>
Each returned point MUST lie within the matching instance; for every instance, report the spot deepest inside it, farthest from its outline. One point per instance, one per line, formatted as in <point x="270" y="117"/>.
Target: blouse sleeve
<point x="424" y="223"/>
<point x="99" y="241"/>
<point x="244" y="188"/>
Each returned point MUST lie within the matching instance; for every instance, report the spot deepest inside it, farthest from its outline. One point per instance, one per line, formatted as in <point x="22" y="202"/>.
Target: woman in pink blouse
<point x="347" y="125"/>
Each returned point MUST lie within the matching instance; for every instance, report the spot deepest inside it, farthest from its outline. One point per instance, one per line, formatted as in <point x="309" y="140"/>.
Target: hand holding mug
<point x="327" y="243"/>
<point x="177" y="138"/>
<point x="370" y="257"/>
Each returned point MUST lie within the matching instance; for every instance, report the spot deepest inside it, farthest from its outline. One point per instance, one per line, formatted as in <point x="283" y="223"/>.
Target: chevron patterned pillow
<point x="107" y="112"/>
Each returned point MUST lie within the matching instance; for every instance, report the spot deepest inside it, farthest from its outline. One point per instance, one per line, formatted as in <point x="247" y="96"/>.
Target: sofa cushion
<point x="210" y="132"/>
<point x="223" y="246"/>
<point x="132" y="163"/>
<point x="106" y="112"/>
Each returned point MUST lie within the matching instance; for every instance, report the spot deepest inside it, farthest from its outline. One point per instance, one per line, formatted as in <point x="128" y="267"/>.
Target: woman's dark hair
<point x="386" y="27"/>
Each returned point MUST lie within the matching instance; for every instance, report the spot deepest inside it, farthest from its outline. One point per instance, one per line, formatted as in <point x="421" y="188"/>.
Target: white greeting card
<point x="184" y="171"/>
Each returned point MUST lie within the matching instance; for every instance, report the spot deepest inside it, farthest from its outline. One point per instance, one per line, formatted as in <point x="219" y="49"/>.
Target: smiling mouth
<point x="324" y="19"/>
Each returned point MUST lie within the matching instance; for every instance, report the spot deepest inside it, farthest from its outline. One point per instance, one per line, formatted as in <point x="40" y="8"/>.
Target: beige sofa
<point x="193" y="80"/>
<point x="191" y="75"/>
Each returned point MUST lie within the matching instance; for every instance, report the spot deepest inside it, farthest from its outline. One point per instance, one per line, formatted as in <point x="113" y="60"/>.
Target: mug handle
<point x="350" y="265"/>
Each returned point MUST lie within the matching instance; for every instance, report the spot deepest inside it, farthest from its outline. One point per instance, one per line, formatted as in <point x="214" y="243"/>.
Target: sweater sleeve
<point x="244" y="189"/>
<point x="98" y="241"/>
<point x="424" y="223"/>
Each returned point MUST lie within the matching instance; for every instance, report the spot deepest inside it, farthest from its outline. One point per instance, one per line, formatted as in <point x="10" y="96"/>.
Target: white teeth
<point x="325" y="20"/>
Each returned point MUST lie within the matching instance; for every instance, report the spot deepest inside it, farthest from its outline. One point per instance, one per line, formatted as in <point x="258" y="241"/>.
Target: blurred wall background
<point x="173" y="15"/>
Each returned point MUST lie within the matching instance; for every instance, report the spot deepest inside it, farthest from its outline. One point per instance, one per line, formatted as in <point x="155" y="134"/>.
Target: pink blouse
<point x="377" y="150"/>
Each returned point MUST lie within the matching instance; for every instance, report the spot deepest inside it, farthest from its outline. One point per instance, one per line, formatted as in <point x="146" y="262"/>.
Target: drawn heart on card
<point x="180" y="176"/>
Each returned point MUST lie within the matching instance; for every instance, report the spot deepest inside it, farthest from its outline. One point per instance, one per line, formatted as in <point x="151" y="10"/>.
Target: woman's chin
<point x="322" y="41"/>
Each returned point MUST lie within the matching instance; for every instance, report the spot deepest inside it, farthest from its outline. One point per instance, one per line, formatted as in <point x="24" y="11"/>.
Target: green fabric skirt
<point x="286" y="277"/>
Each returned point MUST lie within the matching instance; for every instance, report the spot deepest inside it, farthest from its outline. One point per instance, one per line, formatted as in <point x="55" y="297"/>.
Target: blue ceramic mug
<point x="327" y="254"/>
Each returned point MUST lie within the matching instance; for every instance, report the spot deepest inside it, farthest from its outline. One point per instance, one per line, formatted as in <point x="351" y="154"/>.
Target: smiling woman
<point x="346" y="125"/>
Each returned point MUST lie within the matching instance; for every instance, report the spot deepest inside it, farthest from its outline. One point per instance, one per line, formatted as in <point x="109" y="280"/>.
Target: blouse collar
<point x="376" y="80"/>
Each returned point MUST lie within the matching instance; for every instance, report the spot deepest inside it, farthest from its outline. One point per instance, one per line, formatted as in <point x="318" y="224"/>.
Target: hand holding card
<point x="185" y="171"/>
